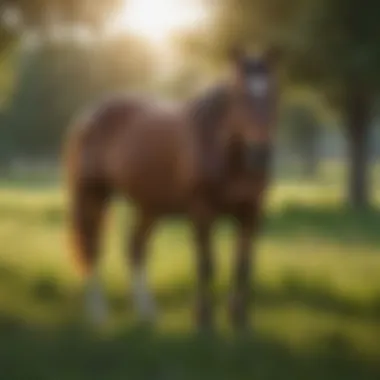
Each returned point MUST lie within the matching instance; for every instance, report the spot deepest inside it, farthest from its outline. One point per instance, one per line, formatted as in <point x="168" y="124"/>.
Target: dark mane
<point x="208" y="109"/>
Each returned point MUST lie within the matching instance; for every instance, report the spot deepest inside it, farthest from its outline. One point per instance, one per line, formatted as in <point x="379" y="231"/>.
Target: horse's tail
<point x="87" y="194"/>
<point x="72" y="153"/>
<point x="86" y="202"/>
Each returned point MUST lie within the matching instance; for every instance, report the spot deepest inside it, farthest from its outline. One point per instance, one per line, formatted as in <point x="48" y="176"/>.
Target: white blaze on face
<point x="259" y="85"/>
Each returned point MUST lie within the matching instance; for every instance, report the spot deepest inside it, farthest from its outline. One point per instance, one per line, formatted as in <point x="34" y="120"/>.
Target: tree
<point x="302" y="129"/>
<point x="332" y="44"/>
<point x="63" y="75"/>
<point x="41" y="13"/>
<point x="341" y="36"/>
<point x="59" y="80"/>
<point x="7" y="36"/>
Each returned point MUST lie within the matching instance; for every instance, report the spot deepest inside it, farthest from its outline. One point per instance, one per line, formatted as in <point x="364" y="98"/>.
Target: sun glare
<point x="157" y="20"/>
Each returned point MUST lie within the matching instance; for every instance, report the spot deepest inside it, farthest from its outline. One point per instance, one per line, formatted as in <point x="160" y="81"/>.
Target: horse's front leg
<point x="142" y="298"/>
<point x="203" y="223"/>
<point x="242" y="271"/>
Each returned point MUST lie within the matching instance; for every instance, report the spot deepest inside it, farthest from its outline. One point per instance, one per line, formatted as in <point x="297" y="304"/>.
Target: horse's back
<point x="138" y="147"/>
<point x="155" y="143"/>
<point x="90" y="132"/>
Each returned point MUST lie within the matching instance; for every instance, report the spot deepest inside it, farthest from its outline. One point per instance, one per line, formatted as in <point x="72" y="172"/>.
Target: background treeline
<point x="57" y="56"/>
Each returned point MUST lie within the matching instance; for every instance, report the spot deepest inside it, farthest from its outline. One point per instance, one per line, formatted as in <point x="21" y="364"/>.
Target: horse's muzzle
<point x="257" y="156"/>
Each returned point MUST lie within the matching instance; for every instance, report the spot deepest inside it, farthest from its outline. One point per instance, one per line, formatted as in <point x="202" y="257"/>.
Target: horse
<point x="208" y="158"/>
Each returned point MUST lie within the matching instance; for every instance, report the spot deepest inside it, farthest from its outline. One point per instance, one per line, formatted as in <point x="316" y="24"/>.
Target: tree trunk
<point x="358" y="114"/>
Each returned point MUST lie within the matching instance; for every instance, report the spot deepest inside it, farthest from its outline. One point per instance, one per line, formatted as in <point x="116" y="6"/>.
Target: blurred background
<point x="318" y="263"/>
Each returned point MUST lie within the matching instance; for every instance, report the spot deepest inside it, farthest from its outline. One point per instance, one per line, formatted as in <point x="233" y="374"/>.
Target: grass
<point x="317" y="296"/>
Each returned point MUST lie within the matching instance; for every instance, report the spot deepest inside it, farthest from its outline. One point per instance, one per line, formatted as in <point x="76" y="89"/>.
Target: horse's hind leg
<point x="137" y="252"/>
<point x="88" y="209"/>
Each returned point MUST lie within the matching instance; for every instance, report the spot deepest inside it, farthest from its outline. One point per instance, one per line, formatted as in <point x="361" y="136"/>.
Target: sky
<point x="158" y="20"/>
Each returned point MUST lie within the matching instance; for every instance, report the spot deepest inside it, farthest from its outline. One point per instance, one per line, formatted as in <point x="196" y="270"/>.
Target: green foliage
<point x="335" y="46"/>
<point x="6" y="40"/>
<point x="330" y="43"/>
<point x="249" y="22"/>
<point x="54" y="81"/>
<point x="7" y="73"/>
<point x="95" y="14"/>
<point x="57" y="80"/>
<point x="35" y="13"/>
<point x="46" y="96"/>
<point x="301" y="128"/>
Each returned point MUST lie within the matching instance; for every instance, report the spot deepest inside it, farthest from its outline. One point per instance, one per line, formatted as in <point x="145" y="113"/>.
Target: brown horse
<point x="207" y="159"/>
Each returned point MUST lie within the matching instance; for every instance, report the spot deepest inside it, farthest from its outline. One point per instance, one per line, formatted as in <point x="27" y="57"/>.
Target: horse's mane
<point x="207" y="109"/>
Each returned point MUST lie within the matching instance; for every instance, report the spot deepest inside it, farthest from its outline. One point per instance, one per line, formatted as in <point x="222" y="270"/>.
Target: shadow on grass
<point x="73" y="352"/>
<point x="317" y="297"/>
<point x="338" y="223"/>
<point x="135" y="353"/>
<point x="290" y="288"/>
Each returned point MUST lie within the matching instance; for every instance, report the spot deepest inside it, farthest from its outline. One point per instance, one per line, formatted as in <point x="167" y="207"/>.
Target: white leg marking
<point x="96" y="305"/>
<point x="143" y="300"/>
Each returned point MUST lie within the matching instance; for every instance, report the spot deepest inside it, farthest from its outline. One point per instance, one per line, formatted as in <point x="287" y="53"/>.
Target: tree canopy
<point x="36" y="13"/>
<point x="330" y="44"/>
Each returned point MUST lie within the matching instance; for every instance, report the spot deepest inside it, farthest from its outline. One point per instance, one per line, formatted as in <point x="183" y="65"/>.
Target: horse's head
<point x="250" y="122"/>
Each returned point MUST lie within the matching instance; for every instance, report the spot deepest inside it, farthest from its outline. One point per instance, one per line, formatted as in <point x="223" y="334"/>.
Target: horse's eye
<point x="258" y="85"/>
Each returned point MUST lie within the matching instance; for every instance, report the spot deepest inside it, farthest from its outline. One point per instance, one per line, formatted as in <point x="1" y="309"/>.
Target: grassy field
<point x="318" y="296"/>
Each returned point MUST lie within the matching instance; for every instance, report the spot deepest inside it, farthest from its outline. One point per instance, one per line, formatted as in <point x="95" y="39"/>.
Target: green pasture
<point x="318" y="294"/>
